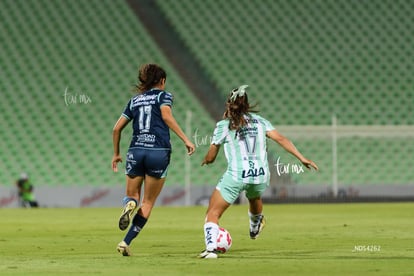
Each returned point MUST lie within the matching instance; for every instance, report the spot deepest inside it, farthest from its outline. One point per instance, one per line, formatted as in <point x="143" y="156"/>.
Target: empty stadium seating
<point x="307" y="60"/>
<point x="68" y="69"/>
<point x="68" y="72"/>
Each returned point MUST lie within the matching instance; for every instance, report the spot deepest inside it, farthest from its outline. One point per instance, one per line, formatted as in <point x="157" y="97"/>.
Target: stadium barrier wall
<point x="178" y="195"/>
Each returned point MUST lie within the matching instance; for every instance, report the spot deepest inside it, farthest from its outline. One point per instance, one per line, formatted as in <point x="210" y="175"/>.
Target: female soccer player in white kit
<point x="243" y="135"/>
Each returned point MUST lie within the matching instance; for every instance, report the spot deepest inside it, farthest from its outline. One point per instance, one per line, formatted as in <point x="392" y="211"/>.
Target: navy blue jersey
<point x="150" y="130"/>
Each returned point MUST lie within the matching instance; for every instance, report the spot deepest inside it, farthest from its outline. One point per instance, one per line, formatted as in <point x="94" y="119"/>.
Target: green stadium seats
<point x="86" y="49"/>
<point x="303" y="60"/>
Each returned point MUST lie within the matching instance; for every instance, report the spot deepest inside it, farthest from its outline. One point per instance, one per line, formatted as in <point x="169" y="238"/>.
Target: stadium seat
<point x="90" y="49"/>
<point x="303" y="61"/>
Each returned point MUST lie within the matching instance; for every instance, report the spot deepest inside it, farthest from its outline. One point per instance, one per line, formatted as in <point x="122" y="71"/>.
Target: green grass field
<point x="313" y="239"/>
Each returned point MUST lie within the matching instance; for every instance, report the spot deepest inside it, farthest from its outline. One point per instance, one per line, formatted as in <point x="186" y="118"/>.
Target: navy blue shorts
<point x="153" y="162"/>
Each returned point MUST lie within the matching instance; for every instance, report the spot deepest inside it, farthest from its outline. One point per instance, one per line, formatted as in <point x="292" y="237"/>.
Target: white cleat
<point x="205" y="254"/>
<point x="123" y="248"/>
<point x="126" y="215"/>
<point x="255" y="234"/>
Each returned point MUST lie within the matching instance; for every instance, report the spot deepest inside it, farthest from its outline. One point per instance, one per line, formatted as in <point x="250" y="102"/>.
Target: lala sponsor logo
<point x="252" y="171"/>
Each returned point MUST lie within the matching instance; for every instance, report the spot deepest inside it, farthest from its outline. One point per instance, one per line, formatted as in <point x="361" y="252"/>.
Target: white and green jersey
<point x="245" y="150"/>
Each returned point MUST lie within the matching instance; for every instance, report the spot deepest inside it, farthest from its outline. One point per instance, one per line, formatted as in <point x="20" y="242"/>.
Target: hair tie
<point x="238" y="92"/>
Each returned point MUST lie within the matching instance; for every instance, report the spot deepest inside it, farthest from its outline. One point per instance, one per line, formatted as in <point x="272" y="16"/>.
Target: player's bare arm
<point x="290" y="147"/>
<point x="211" y="154"/>
<point x="116" y="137"/>
<point x="169" y="119"/>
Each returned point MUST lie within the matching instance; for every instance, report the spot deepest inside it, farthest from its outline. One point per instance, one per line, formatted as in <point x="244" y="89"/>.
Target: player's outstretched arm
<point x="116" y="138"/>
<point x="290" y="147"/>
<point x="211" y="154"/>
<point x="169" y="119"/>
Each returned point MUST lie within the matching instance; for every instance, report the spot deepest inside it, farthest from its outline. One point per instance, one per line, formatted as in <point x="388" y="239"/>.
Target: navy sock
<point x="137" y="224"/>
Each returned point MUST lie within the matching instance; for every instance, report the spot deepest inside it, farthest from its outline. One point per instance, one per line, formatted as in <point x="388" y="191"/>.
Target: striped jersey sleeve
<point x="220" y="132"/>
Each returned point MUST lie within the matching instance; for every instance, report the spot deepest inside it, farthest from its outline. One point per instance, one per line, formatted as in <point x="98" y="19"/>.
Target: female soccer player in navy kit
<point x="243" y="135"/>
<point x="148" y="156"/>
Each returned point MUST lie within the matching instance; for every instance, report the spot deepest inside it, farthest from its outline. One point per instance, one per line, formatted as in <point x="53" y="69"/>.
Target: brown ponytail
<point x="149" y="75"/>
<point x="236" y="110"/>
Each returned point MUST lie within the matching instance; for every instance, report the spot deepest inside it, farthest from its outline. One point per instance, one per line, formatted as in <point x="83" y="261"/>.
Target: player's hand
<point x="190" y="147"/>
<point x="309" y="164"/>
<point x="206" y="162"/>
<point x="115" y="160"/>
<point x="211" y="154"/>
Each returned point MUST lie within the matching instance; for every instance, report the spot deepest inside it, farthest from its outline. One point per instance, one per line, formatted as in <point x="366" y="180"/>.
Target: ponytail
<point x="237" y="107"/>
<point x="149" y="75"/>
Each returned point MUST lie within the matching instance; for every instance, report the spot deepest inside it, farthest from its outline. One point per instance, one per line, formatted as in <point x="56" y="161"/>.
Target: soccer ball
<point x="223" y="240"/>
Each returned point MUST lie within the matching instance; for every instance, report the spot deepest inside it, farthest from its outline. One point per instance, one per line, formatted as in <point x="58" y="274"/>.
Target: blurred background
<point x="334" y="76"/>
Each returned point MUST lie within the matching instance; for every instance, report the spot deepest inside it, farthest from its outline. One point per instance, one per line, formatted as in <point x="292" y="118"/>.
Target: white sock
<point x="211" y="231"/>
<point x="254" y="221"/>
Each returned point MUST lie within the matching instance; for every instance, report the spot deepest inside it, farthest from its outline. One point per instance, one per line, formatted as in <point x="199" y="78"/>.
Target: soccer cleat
<point x="127" y="214"/>
<point x="123" y="248"/>
<point x="206" y="254"/>
<point x="255" y="234"/>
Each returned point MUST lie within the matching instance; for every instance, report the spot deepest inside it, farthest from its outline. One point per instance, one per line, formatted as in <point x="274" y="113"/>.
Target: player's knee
<point x="214" y="215"/>
<point x="255" y="199"/>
